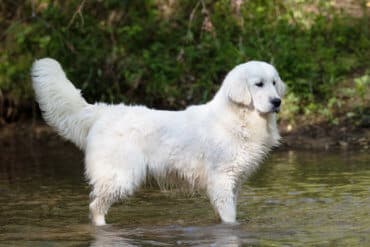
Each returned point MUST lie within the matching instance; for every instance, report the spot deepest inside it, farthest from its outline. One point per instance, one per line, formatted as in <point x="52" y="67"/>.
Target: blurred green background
<point x="168" y="54"/>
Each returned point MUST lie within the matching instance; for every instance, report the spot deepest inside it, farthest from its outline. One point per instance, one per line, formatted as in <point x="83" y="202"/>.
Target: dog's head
<point x="256" y="85"/>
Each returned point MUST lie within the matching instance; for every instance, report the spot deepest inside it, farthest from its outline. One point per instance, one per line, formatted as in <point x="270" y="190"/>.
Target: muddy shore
<point x="319" y="137"/>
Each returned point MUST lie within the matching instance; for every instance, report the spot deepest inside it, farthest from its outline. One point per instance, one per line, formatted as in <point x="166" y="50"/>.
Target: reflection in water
<point x="108" y="236"/>
<point x="295" y="198"/>
<point x="217" y="235"/>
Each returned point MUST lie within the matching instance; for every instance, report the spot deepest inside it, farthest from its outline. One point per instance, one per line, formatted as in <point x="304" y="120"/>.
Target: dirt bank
<point x="327" y="137"/>
<point x="321" y="136"/>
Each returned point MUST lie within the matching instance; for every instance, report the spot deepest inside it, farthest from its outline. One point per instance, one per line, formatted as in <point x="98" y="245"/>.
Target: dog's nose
<point x="276" y="102"/>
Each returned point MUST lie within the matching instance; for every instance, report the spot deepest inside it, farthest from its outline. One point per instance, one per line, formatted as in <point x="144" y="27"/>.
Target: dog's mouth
<point x="276" y="110"/>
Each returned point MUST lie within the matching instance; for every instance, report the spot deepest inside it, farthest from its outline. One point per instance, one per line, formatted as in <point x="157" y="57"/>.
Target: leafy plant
<point x="169" y="54"/>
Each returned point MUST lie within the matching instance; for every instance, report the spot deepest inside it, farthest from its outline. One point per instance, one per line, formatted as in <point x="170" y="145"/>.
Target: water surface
<point x="295" y="199"/>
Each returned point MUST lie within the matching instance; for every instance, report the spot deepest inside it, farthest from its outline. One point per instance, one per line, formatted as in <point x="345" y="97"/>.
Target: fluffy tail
<point x="61" y="103"/>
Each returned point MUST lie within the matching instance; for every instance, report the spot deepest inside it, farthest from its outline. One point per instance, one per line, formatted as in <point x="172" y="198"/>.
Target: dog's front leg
<point x="221" y="191"/>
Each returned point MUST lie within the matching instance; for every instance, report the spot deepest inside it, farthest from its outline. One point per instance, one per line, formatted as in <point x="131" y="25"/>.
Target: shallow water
<point x="295" y="199"/>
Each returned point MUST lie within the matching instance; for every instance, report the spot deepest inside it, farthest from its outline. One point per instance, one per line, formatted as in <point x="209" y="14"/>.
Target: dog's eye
<point x="259" y="84"/>
<point x="273" y="83"/>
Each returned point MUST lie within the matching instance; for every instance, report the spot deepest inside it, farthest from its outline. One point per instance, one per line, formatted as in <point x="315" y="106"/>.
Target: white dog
<point x="211" y="146"/>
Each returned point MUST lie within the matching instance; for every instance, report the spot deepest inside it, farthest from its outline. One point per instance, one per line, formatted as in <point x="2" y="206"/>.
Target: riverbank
<point x="318" y="137"/>
<point x="324" y="136"/>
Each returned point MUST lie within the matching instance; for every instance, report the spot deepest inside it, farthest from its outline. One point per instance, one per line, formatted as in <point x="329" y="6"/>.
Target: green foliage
<point x="172" y="53"/>
<point x="362" y="86"/>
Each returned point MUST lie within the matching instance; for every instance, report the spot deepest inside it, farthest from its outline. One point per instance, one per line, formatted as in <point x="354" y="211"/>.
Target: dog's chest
<point x="254" y="142"/>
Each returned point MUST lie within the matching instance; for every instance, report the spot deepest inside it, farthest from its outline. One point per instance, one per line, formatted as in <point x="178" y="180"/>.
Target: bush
<point x="169" y="54"/>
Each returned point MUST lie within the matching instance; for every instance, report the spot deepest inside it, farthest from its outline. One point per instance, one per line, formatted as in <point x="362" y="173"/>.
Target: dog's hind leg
<point x="116" y="188"/>
<point x="114" y="175"/>
<point x="99" y="207"/>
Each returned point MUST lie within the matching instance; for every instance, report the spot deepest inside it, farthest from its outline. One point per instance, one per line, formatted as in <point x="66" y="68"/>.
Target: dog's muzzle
<point x="276" y="102"/>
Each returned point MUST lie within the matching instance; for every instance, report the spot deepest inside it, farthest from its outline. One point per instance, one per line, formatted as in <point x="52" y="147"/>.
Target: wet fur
<point x="212" y="147"/>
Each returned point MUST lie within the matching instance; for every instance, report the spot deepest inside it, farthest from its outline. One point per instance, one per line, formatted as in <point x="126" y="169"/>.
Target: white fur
<point x="211" y="146"/>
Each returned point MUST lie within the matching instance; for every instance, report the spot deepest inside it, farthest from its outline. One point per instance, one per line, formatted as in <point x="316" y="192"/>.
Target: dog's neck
<point x="254" y="134"/>
<point x="262" y="127"/>
<point x="246" y="122"/>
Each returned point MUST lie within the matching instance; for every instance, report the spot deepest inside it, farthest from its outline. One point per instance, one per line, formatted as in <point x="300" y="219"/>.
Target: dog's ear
<point x="280" y="88"/>
<point x="237" y="91"/>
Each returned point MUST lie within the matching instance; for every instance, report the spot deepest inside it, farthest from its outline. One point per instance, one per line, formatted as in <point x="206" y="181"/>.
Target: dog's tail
<point x="61" y="103"/>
